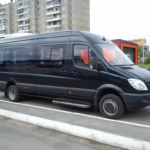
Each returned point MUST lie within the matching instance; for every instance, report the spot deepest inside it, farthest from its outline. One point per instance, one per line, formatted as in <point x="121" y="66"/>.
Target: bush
<point x="147" y="60"/>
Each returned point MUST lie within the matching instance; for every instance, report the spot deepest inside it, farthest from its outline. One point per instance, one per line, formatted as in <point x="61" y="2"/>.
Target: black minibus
<point x="73" y="66"/>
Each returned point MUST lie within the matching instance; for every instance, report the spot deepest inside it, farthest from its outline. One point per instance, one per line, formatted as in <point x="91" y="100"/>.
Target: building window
<point x="63" y="8"/>
<point x="63" y="1"/>
<point x="63" y="15"/>
<point x="37" y="2"/>
<point x="71" y="15"/>
<point x="38" y="9"/>
<point x="63" y="22"/>
<point x="71" y="22"/>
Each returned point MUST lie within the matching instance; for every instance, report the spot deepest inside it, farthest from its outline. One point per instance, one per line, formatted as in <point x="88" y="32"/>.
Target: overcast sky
<point x="121" y="19"/>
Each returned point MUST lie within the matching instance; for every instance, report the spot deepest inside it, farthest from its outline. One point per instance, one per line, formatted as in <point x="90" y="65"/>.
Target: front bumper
<point x="135" y="101"/>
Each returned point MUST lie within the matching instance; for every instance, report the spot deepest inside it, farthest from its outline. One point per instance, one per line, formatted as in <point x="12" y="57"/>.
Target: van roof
<point x="89" y="37"/>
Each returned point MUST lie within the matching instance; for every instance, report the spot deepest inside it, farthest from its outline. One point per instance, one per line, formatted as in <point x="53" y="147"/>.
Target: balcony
<point x="23" y="18"/>
<point x="24" y="12"/>
<point x="2" y="33"/>
<point x="48" y="0"/>
<point x="23" y="6"/>
<point x="52" y="12"/>
<point x="24" y="31"/>
<point x="53" y="19"/>
<point x="23" y="24"/>
<point x="2" y="27"/>
<point x="2" y="17"/>
<point x="53" y="26"/>
<point x="48" y="6"/>
<point x="2" y="12"/>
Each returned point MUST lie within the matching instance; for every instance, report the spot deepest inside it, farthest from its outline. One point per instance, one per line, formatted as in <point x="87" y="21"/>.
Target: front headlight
<point x="138" y="84"/>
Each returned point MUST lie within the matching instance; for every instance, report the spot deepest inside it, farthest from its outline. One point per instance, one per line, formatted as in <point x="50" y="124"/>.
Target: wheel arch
<point x="107" y="89"/>
<point x="10" y="82"/>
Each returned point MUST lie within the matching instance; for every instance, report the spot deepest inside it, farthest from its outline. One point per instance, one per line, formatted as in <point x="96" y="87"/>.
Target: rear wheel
<point x="13" y="93"/>
<point x="111" y="106"/>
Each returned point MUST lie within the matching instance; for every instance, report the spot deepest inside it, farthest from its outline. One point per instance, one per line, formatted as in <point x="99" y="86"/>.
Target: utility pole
<point x="143" y="50"/>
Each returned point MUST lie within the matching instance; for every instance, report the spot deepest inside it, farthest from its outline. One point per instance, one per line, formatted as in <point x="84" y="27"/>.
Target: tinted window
<point x="83" y="55"/>
<point x="22" y="57"/>
<point x="5" y="58"/>
<point x="47" y="57"/>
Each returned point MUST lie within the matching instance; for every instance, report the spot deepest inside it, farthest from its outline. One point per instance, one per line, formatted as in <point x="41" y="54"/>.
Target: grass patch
<point x="146" y="66"/>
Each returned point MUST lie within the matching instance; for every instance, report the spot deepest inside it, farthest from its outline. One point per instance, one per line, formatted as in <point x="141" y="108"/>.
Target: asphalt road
<point x="134" y="125"/>
<point x="16" y="135"/>
<point x="140" y="116"/>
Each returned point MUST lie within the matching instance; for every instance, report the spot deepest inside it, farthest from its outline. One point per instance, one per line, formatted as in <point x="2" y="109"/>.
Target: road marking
<point x="68" y="112"/>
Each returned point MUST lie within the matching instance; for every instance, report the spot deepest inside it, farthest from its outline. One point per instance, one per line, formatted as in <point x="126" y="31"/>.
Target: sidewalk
<point x="30" y="137"/>
<point x="124" y="129"/>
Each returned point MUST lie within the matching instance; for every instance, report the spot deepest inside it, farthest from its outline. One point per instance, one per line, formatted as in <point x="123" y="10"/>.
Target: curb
<point x="95" y="135"/>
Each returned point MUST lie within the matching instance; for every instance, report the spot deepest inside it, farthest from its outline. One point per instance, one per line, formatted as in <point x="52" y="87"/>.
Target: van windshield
<point x="113" y="55"/>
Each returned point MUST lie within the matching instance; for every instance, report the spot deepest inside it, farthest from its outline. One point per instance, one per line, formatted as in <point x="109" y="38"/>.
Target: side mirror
<point x="95" y="63"/>
<point x="99" y="66"/>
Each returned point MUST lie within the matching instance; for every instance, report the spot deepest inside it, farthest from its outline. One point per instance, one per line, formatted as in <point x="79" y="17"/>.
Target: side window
<point x="5" y="58"/>
<point x="83" y="55"/>
<point x="22" y="57"/>
<point x="47" y="57"/>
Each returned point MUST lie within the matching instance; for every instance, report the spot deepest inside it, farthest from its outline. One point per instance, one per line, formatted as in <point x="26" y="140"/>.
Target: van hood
<point x="133" y="71"/>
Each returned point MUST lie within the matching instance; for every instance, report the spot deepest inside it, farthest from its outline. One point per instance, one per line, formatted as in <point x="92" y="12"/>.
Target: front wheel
<point x="13" y="94"/>
<point x="111" y="106"/>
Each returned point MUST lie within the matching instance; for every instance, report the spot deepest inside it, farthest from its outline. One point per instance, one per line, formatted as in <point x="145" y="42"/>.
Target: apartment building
<point x="39" y="16"/>
<point x="5" y="19"/>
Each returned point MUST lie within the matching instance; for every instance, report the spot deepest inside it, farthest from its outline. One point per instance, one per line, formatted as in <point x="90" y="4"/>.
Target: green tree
<point x="140" y="51"/>
<point x="147" y="60"/>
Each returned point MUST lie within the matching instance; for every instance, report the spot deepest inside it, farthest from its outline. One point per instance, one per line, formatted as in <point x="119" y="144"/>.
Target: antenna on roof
<point x="103" y="35"/>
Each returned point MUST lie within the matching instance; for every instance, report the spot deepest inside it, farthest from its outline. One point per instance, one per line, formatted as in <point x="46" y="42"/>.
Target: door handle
<point x="74" y="72"/>
<point x="63" y="71"/>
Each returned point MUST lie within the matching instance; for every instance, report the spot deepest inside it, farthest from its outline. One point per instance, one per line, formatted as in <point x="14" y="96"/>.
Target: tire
<point x="13" y="94"/>
<point x="5" y="94"/>
<point x="111" y="106"/>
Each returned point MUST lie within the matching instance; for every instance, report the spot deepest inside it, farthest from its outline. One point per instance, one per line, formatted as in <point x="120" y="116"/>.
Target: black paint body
<point x="86" y="86"/>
